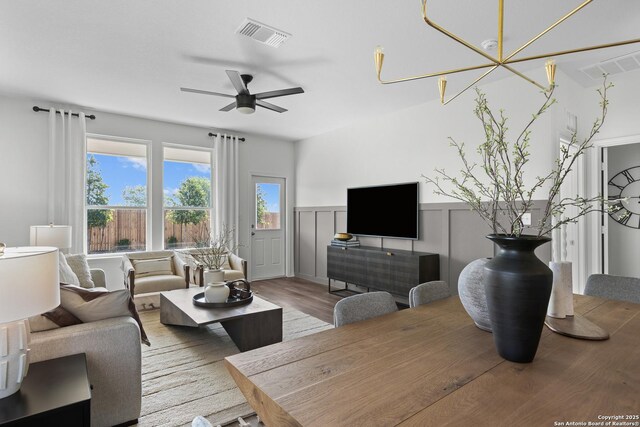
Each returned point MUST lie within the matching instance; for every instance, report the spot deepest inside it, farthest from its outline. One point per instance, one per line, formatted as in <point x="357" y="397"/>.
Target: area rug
<point x="183" y="373"/>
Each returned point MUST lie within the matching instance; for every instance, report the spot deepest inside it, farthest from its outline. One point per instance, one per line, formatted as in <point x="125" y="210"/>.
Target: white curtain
<point x="226" y="184"/>
<point x="67" y="163"/>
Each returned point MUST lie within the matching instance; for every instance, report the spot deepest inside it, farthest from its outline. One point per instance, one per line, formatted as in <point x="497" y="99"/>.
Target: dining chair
<point x="613" y="287"/>
<point x="428" y="292"/>
<point x="362" y="307"/>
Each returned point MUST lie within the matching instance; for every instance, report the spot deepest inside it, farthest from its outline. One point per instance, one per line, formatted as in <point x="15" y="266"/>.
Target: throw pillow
<point x="80" y="266"/>
<point x="90" y="305"/>
<point x="56" y="318"/>
<point x="153" y="267"/>
<point x="66" y="273"/>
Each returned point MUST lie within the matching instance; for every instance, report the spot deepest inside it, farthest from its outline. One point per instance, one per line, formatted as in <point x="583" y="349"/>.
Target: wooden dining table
<point x="430" y="366"/>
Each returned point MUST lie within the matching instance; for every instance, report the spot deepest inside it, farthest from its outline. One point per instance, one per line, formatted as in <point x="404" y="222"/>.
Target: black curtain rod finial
<point x="215" y="134"/>
<point x="38" y="109"/>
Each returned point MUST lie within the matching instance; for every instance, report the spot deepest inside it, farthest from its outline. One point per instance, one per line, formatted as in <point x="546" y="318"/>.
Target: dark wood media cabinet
<point x="392" y="270"/>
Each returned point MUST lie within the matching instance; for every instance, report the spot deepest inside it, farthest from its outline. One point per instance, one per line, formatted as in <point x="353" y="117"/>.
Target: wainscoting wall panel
<point x="451" y="230"/>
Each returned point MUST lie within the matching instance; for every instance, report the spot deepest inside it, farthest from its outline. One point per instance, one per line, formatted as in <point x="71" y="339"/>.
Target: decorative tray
<point x="237" y="296"/>
<point x="232" y="301"/>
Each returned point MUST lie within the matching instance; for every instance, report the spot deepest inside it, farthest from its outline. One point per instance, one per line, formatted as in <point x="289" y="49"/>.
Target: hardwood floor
<point x="308" y="297"/>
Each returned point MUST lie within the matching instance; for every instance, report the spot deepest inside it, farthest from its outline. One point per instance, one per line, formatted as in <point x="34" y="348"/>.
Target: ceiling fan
<point x="245" y="101"/>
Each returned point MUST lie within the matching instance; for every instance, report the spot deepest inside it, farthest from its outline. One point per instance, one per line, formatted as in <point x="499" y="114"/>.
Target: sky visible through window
<point x="271" y="196"/>
<point x="120" y="171"/>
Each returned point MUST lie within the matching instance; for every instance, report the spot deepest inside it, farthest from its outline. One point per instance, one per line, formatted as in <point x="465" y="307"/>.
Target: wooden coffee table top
<point x="178" y="306"/>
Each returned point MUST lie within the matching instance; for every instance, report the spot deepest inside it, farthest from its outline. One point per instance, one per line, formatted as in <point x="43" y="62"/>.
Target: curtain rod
<point x="215" y="134"/>
<point x="38" y="109"/>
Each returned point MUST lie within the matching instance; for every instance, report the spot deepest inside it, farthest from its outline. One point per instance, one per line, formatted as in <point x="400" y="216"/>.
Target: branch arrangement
<point x="503" y="198"/>
<point x="212" y="253"/>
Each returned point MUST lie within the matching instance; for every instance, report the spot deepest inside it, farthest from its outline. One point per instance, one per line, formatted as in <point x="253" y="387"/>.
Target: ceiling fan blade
<point x="228" y="107"/>
<point x="281" y="92"/>
<point x="270" y="106"/>
<point x="205" y="92"/>
<point x="237" y="82"/>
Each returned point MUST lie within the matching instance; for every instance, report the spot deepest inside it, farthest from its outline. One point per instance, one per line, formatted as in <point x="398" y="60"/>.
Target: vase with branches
<point x="212" y="252"/>
<point x="496" y="188"/>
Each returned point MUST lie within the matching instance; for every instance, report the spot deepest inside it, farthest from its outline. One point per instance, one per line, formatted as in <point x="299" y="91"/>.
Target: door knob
<point x="253" y="233"/>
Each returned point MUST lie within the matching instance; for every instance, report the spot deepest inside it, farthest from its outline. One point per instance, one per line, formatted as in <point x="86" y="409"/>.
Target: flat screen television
<point x="384" y="211"/>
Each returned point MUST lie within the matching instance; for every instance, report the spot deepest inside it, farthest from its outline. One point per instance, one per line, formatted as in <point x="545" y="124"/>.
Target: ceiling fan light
<point x="246" y="110"/>
<point x="246" y="103"/>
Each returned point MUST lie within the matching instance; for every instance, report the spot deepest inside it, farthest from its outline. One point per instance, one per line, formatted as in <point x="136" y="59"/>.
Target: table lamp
<point x="28" y="287"/>
<point x="58" y="236"/>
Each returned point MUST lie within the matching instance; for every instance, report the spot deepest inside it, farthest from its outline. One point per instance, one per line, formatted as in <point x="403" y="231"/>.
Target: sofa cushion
<point x="56" y="318"/>
<point x="167" y="282"/>
<point x="153" y="267"/>
<point x="80" y="267"/>
<point x="66" y="273"/>
<point x="90" y="305"/>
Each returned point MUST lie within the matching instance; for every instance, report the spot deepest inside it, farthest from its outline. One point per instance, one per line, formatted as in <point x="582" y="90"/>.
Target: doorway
<point x="268" y="243"/>
<point x="613" y="175"/>
<point x="621" y="181"/>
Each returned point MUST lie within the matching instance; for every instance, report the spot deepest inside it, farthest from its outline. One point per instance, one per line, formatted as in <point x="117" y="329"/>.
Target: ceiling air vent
<point x="617" y="65"/>
<point x="262" y="33"/>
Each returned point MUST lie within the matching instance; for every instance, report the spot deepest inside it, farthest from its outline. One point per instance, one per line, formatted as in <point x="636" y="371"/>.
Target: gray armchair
<point x="613" y="287"/>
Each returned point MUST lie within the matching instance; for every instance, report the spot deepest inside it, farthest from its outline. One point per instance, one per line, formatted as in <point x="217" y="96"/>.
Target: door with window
<point x="268" y="227"/>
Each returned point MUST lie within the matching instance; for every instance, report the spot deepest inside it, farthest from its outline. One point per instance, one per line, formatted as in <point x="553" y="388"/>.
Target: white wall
<point x="624" y="242"/>
<point x="23" y="162"/>
<point x="402" y="146"/>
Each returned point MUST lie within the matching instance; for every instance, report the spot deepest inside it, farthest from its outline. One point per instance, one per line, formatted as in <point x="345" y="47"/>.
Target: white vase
<point x="213" y="276"/>
<point x="561" y="301"/>
<point x="216" y="292"/>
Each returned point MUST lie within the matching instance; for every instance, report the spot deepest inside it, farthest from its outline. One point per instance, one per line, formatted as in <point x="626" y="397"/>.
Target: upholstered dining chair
<point x="613" y="287"/>
<point x="428" y="292"/>
<point x="362" y="307"/>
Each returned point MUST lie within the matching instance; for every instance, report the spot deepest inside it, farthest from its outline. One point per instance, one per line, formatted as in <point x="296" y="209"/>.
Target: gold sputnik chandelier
<point x="501" y="61"/>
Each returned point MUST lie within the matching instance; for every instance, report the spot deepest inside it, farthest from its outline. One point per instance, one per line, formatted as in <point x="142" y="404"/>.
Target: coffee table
<point x="250" y="326"/>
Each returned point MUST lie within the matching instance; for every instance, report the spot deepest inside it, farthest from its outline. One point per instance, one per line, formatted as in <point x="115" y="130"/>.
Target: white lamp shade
<point x="58" y="236"/>
<point x="29" y="282"/>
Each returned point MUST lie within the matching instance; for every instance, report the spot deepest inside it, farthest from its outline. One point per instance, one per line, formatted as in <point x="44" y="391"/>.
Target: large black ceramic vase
<point x="518" y="287"/>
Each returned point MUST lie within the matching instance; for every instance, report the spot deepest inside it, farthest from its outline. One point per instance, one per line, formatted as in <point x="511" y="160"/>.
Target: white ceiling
<point x="131" y="56"/>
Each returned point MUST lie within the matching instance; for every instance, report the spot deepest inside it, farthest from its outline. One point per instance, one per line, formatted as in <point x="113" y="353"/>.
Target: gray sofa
<point x="114" y="362"/>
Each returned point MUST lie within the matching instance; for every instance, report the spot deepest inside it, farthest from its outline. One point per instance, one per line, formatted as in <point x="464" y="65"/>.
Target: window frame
<point x="148" y="207"/>
<point x="212" y="196"/>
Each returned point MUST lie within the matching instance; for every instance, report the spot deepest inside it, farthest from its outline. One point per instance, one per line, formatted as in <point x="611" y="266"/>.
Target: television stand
<point x="346" y="289"/>
<point x="391" y="270"/>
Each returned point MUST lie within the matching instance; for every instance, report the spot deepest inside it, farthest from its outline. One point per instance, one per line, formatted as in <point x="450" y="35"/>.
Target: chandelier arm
<point x="440" y="73"/>
<point x="518" y="73"/>
<point x="485" y="74"/>
<point x="500" y="28"/>
<point x="555" y="24"/>
<point x="453" y="36"/>
<point x="567" y="52"/>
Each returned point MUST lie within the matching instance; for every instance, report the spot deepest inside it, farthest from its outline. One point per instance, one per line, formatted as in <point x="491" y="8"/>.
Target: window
<point x="267" y="206"/>
<point x="187" y="197"/>
<point x="116" y="195"/>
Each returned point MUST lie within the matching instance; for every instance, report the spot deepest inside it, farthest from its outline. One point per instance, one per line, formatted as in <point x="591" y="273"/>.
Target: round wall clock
<point x="626" y="185"/>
